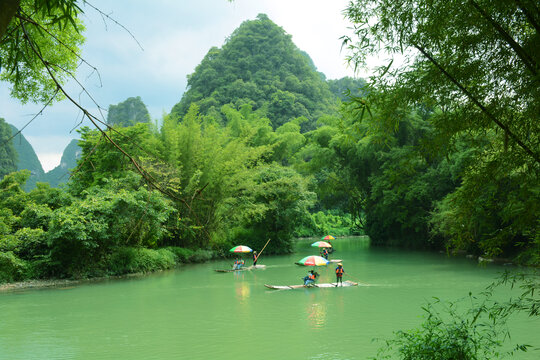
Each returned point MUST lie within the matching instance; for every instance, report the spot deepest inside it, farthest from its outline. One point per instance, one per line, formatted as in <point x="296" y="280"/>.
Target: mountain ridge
<point x="259" y="65"/>
<point x="28" y="159"/>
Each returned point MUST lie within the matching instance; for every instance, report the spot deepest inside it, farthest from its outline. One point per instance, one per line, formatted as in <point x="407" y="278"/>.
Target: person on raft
<point x="238" y="264"/>
<point x="255" y="258"/>
<point x="324" y="253"/>
<point x="309" y="280"/>
<point x="339" y="274"/>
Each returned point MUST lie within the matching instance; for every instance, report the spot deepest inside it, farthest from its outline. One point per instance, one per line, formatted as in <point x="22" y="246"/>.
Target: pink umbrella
<point x="321" y="244"/>
<point x="241" y="249"/>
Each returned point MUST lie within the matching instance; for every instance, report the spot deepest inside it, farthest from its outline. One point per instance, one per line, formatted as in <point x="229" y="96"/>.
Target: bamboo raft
<point x="252" y="267"/>
<point x="329" y="261"/>
<point x="346" y="283"/>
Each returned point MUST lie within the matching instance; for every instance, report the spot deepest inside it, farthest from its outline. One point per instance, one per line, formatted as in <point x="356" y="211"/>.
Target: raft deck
<point x="323" y="285"/>
<point x="252" y="267"/>
<point x="329" y="261"/>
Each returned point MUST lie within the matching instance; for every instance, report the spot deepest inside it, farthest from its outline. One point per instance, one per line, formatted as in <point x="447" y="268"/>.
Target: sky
<point x="167" y="39"/>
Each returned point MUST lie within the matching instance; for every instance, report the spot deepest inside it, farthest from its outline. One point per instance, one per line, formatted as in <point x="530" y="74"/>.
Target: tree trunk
<point x="8" y="8"/>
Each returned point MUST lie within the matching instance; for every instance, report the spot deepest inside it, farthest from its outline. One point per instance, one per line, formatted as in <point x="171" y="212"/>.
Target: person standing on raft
<point x="255" y="258"/>
<point x="324" y="253"/>
<point x="339" y="274"/>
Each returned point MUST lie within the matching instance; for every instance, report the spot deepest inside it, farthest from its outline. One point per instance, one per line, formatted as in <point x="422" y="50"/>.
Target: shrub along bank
<point x="48" y="233"/>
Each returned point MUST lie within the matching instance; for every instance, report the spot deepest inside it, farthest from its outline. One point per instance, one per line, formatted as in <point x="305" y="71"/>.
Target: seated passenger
<point x="309" y="280"/>
<point x="238" y="264"/>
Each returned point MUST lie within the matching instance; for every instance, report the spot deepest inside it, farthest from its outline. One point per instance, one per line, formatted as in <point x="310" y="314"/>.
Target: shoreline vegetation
<point x="140" y="263"/>
<point x="145" y="262"/>
<point x="38" y="284"/>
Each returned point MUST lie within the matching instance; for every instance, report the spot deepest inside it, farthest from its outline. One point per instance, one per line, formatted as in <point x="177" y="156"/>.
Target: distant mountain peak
<point x="259" y="65"/>
<point x="27" y="159"/>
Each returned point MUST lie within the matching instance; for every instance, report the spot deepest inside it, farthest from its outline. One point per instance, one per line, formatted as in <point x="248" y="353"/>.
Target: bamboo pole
<point x="260" y="252"/>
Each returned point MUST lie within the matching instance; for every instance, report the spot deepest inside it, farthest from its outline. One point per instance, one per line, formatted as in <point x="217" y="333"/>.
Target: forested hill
<point x="259" y="65"/>
<point x="26" y="156"/>
<point x="27" y="159"/>
<point x="61" y="173"/>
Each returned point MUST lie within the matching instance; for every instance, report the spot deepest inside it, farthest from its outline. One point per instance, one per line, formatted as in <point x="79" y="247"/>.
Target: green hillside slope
<point x="259" y="65"/>
<point x="27" y="158"/>
<point x="60" y="174"/>
<point x="129" y="112"/>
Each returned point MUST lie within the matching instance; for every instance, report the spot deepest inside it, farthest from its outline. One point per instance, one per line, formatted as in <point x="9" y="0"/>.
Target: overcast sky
<point x="174" y="36"/>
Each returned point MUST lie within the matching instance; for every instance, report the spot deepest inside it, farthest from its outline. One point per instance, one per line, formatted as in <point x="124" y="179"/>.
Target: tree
<point x="478" y="60"/>
<point x="346" y="87"/>
<point x="101" y="159"/>
<point x="39" y="47"/>
<point x="271" y="201"/>
<point x="207" y="163"/>
<point x="474" y="67"/>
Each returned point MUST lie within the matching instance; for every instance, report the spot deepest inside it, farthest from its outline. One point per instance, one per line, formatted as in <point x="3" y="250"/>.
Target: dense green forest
<point x="260" y="66"/>
<point x="261" y="146"/>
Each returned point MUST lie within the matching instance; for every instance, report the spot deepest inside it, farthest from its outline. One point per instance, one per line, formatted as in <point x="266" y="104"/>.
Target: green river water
<point x="196" y="313"/>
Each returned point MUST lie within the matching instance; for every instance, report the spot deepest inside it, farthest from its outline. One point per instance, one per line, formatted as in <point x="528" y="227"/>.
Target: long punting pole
<point x="259" y="254"/>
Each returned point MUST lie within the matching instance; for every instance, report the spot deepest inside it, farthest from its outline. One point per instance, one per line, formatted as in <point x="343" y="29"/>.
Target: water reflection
<point x="242" y="290"/>
<point x="316" y="315"/>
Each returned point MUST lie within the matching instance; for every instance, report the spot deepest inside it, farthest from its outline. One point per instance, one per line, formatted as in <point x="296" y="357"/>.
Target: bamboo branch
<point x="28" y="19"/>
<point x="528" y="15"/>
<point x="479" y="104"/>
<point x="114" y="21"/>
<point x="40" y="112"/>
<point x="529" y="62"/>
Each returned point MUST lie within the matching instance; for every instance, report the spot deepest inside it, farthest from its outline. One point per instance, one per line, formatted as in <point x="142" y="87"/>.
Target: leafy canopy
<point x="40" y="48"/>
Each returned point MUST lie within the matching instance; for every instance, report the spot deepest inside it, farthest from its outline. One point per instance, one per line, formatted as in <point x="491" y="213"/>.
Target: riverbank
<point x="124" y="263"/>
<point x="60" y="283"/>
<point x="33" y="284"/>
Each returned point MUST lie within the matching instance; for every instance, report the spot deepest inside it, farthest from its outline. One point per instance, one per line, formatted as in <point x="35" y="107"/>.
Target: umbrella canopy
<point x="321" y="244"/>
<point x="313" y="260"/>
<point x="241" y="249"/>
<point x="328" y="237"/>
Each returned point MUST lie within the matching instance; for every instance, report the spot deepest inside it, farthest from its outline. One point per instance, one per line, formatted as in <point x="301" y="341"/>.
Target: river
<point x="196" y="313"/>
